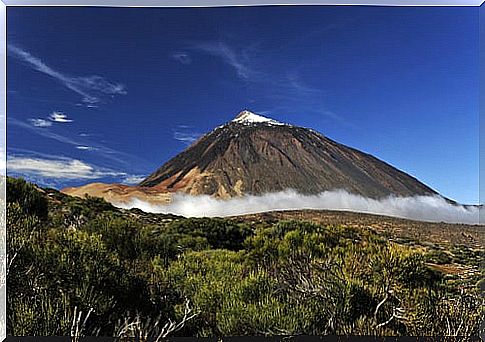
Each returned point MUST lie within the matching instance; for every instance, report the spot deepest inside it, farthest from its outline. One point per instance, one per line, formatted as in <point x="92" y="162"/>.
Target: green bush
<point x="29" y="197"/>
<point x="271" y="278"/>
<point x="220" y="233"/>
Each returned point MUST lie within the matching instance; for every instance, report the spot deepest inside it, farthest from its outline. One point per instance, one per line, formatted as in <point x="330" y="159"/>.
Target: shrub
<point x="220" y="233"/>
<point x="28" y="196"/>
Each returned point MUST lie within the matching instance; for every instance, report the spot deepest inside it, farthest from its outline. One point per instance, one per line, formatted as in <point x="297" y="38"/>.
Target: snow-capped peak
<point x="247" y="117"/>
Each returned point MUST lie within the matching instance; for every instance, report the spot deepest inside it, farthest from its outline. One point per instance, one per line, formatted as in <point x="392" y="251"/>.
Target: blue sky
<point x="106" y="94"/>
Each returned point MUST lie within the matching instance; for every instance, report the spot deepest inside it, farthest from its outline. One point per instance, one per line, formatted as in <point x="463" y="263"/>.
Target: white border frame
<point x="169" y="3"/>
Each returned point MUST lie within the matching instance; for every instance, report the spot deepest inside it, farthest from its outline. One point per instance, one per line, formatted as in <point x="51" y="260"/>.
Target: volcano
<point x="254" y="155"/>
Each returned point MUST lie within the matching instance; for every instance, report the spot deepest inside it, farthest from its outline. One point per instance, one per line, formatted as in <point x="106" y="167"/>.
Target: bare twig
<point x="144" y="329"/>
<point x="78" y="328"/>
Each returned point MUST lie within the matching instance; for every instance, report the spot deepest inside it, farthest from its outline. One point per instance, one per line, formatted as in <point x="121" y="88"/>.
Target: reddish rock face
<point x="255" y="155"/>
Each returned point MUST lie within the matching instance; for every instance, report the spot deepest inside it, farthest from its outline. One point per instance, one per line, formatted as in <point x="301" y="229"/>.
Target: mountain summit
<point x="253" y="154"/>
<point x="248" y="117"/>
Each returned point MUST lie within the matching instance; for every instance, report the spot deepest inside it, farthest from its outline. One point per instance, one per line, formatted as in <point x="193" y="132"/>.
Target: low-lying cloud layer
<point x="426" y="208"/>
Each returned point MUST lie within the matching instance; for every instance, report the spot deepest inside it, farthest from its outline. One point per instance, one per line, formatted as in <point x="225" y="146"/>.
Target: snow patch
<point x="247" y="117"/>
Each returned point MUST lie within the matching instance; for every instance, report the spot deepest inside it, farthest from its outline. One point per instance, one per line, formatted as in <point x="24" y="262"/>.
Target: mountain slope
<point x="253" y="155"/>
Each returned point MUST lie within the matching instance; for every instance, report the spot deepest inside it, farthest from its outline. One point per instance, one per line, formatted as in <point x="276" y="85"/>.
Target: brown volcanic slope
<point x="254" y="155"/>
<point x="119" y="193"/>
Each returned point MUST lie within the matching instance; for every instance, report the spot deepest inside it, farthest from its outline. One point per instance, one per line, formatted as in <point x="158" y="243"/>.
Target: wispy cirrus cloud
<point x="86" y="148"/>
<point x="285" y="85"/>
<point x="46" y="133"/>
<point x="239" y="60"/>
<point x="91" y="88"/>
<point x="181" y="57"/>
<point x="186" y="138"/>
<point x="294" y="81"/>
<point x="59" y="117"/>
<point x="40" y="122"/>
<point x="107" y="153"/>
<point x="57" y="168"/>
<point x="54" y="170"/>
<point x="133" y="179"/>
<point x="185" y="134"/>
<point x="243" y="61"/>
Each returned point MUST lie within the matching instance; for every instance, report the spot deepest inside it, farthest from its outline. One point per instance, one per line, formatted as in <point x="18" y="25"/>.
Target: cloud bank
<point x="425" y="208"/>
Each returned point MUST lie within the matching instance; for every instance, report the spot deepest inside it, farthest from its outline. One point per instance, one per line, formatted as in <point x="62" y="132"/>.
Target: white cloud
<point x="288" y="87"/>
<point x="181" y="57"/>
<point x="86" y="148"/>
<point x="184" y="134"/>
<point x="427" y="208"/>
<point x="53" y="170"/>
<point x="54" y="117"/>
<point x="243" y="63"/>
<point x="294" y="81"/>
<point x="106" y="152"/>
<point x="40" y="122"/>
<point x="186" y="138"/>
<point x="133" y="179"/>
<point x="57" y="168"/>
<point x="238" y="61"/>
<point x="59" y="117"/>
<point x="43" y="132"/>
<point x="91" y="88"/>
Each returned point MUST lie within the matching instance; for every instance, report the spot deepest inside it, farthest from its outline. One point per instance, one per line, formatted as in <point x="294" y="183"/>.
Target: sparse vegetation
<point x="82" y="267"/>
